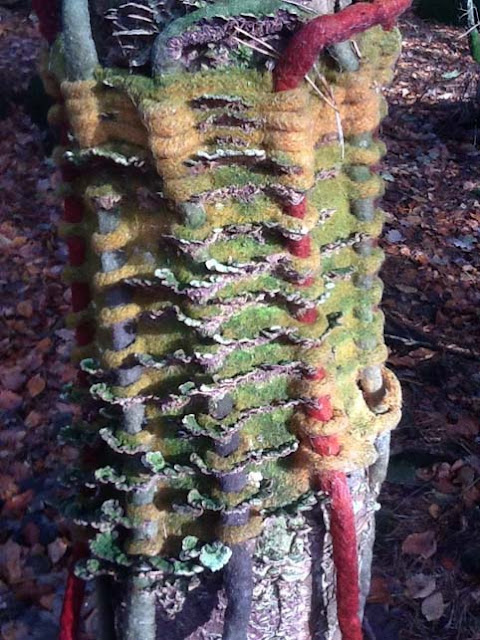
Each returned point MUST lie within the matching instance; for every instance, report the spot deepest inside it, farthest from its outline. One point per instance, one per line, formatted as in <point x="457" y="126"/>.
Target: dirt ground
<point x="426" y="581"/>
<point x="427" y="560"/>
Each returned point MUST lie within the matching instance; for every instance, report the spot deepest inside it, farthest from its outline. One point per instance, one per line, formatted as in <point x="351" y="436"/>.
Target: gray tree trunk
<point x="288" y="570"/>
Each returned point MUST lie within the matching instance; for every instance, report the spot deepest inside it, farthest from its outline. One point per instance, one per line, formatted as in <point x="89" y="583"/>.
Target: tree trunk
<point x="221" y="216"/>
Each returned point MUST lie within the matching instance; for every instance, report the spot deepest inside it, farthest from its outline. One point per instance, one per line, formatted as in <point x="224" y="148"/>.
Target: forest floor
<point x="426" y="581"/>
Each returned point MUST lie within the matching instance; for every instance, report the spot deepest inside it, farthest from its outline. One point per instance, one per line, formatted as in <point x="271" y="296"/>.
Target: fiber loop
<point x="321" y="410"/>
<point x="300" y="248"/>
<point x="326" y="445"/>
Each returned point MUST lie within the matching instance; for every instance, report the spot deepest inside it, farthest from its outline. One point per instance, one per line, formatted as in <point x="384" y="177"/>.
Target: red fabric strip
<point x="84" y="334"/>
<point x="296" y="210"/>
<point x="309" y="316"/>
<point x="73" y="208"/>
<point x="77" y="250"/>
<point x="308" y="43"/>
<point x="48" y="12"/>
<point x="326" y="445"/>
<point x="81" y="296"/>
<point x="345" y="555"/>
<point x="319" y="374"/>
<point x="73" y="599"/>
<point x="322" y="409"/>
<point x="300" y="248"/>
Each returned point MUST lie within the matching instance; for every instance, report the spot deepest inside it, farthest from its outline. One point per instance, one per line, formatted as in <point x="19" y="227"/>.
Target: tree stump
<point x="222" y="222"/>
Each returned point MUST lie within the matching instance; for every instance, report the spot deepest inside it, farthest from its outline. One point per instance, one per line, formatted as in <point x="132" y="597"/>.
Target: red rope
<point x="345" y="554"/>
<point x="48" y="12"/>
<point x="299" y="57"/>
<point x="73" y="600"/>
<point x="308" y="43"/>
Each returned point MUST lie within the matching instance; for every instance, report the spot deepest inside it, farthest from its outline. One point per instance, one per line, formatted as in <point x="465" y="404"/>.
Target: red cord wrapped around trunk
<point x="308" y="43"/>
<point x="48" y="12"/>
<point x="73" y="600"/>
<point x="298" y="59"/>
<point x="345" y="553"/>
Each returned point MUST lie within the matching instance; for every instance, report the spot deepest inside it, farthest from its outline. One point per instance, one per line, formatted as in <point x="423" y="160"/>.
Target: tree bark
<point x="208" y="196"/>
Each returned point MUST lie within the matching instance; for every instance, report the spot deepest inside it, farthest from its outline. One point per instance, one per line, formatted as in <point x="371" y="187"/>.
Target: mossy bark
<point x="203" y="297"/>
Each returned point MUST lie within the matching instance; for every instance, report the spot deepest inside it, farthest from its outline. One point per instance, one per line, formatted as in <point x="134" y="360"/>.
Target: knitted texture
<point x="221" y="229"/>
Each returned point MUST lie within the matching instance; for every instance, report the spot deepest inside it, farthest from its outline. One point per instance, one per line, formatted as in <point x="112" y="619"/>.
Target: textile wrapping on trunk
<point x="222" y="226"/>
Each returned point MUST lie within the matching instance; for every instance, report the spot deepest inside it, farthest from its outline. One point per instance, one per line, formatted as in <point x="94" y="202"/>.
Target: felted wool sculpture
<point x="222" y="222"/>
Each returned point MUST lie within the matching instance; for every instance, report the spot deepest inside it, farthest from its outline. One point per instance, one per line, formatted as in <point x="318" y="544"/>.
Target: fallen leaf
<point x="379" y="591"/>
<point x="25" y="309"/>
<point x="394" y="236"/>
<point x="57" y="549"/>
<point x="448" y="563"/>
<point x="433" y="607"/>
<point x="10" y="400"/>
<point x="466" y="425"/>
<point x="420" y="586"/>
<point x="12" y="379"/>
<point x="36" y="385"/>
<point x="47" y="601"/>
<point x="33" y="419"/>
<point x="15" y="631"/>
<point x="32" y="591"/>
<point x="31" y="533"/>
<point x="435" y="510"/>
<point x="10" y="561"/>
<point x="466" y="476"/>
<point x="44" y="345"/>
<point x="8" y="487"/>
<point x="17" y="504"/>
<point x="420" y="544"/>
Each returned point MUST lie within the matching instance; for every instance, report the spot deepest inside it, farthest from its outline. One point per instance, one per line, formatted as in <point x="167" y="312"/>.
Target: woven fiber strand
<point x="223" y="263"/>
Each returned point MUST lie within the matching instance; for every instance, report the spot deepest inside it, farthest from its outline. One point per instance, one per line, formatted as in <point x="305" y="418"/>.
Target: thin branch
<point x="259" y="40"/>
<point x="333" y="104"/>
<point x="255" y="48"/>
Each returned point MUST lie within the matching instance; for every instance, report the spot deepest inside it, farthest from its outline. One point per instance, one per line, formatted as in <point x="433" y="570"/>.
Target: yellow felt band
<point x="145" y="547"/>
<point x="110" y="316"/>
<point x="306" y="427"/>
<point x="102" y="280"/>
<point x="304" y="388"/>
<point x="118" y="239"/>
<point x="176" y="146"/>
<point x="392" y="401"/>
<point x="294" y="100"/>
<point x="236" y="535"/>
<point x="356" y="454"/>
<point x="287" y="121"/>
<point x="167" y="122"/>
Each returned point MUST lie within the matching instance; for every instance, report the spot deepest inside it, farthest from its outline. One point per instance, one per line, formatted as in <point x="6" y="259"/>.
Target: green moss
<point x="269" y="429"/>
<point x="379" y="48"/>
<point x="248" y="323"/>
<point x="244" y="360"/>
<point x="285" y="489"/>
<point x="258" y="395"/>
<point x="243" y="249"/>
